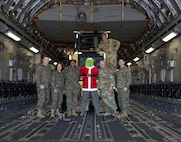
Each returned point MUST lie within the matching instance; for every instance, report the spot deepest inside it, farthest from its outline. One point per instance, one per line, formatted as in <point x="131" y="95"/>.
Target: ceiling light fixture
<point x="169" y="36"/>
<point x="76" y="32"/>
<point x="129" y="63"/>
<point x="136" y="59"/>
<point x="149" y="50"/>
<point x="13" y="36"/>
<point x="34" y="49"/>
<point x="55" y="63"/>
<point x="77" y="52"/>
<point x="107" y="32"/>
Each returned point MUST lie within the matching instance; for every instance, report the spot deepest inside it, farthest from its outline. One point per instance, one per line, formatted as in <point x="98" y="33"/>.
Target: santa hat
<point x="89" y="58"/>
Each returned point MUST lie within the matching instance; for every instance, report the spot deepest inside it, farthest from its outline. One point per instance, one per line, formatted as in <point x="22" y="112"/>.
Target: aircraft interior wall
<point x="17" y="62"/>
<point x="163" y="65"/>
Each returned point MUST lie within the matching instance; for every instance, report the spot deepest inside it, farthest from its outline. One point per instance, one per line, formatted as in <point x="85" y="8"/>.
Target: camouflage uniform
<point x="57" y="82"/>
<point x="106" y="79"/>
<point x="110" y="48"/>
<point x="42" y="77"/>
<point x="123" y="79"/>
<point x="72" y="86"/>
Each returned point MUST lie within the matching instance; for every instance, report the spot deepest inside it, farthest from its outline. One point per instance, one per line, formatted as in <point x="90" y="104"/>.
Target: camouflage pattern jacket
<point x="123" y="78"/>
<point x="71" y="75"/>
<point x="110" y="47"/>
<point x="57" y="80"/>
<point x="106" y="79"/>
<point x="43" y="75"/>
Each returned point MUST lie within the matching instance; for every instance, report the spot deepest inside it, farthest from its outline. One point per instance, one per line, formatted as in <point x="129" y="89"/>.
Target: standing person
<point x="106" y="86"/>
<point x="57" y="86"/>
<point x="123" y="80"/>
<point x="72" y="87"/>
<point x="110" y="48"/>
<point x="42" y="78"/>
<point x="88" y="74"/>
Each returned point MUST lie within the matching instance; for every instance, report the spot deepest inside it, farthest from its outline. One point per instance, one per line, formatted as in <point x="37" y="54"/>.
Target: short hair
<point x="44" y="55"/>
<point x="104" y="34"/>
<point x="73" y="61"/>
<point x="102" y="60"/>
<point x="121" y="58"/>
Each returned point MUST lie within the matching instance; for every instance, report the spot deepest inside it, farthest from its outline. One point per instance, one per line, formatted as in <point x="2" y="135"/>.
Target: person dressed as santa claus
<point x="88" y="74"/>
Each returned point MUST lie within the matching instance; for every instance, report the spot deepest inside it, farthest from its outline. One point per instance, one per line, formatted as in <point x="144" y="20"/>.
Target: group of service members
<point x="66" y="81"/>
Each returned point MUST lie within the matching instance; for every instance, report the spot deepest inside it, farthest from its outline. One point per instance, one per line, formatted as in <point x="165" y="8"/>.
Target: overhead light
<point x="129" y="63"/>
<point x="34" y="49"/>
<point x="149" y="50"/>
<point x="136" y="59"/>
<point x="76" y="52"/>
<point x="169" y="36"/>
<point x="55" y="63"/>
<point x="107" y="32"/>
<point x="50" y="59"/>
<point x="76" y="32"/>
<point x="13" y="36"/>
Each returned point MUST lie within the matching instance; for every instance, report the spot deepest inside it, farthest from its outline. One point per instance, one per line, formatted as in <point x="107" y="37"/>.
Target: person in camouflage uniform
<point x="42" y="78"/>
<point x="72" y="87"/>
<point x="123" y="80"/>
<point x="110" y="48"/>
<point x="106" y="86"/>
<point x="57" y="86"/>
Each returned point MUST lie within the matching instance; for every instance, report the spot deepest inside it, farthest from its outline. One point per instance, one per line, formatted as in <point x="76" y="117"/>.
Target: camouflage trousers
<point x="111" y="62"/>
<point x="108" y="100"/>
<point x="57" y="99"/>
<point x="123" y="99"/>
<point x="85" y="98"/>
<point x="71" y="97"/>
<point x="43" y="97"/>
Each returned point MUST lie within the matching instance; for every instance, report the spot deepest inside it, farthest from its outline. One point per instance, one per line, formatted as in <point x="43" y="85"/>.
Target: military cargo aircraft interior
<point x="90" y="70"/>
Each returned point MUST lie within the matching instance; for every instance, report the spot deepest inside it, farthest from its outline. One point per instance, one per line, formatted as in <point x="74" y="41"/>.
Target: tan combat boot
<point x="74" y="112"/>
<point x="69" y="113"/>
<point x="44" y="112"/>
<point x="39" y="114"/>
<point x="58" y="112"/>
<point x="124" y="114"/>
<point x="52" y="113"/>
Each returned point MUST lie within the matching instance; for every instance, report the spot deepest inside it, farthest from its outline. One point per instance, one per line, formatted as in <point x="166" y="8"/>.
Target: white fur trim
<point x="89" y="67"/>
<point x="89" y="58"/>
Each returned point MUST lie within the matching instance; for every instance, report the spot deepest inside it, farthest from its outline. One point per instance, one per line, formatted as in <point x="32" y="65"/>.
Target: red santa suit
<point x="89" y="78"/>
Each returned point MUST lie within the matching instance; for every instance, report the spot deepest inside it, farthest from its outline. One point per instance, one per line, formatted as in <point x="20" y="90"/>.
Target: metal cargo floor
<point x="144" y="124"/>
